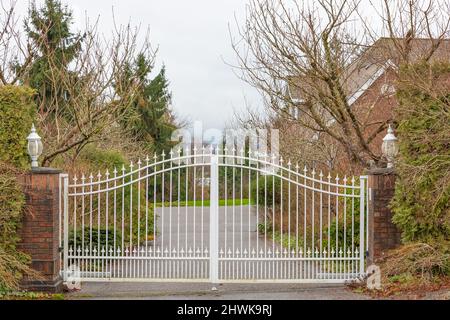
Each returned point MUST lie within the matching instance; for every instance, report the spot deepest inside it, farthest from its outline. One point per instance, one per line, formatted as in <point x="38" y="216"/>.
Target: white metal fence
<point x="214" y="216"/>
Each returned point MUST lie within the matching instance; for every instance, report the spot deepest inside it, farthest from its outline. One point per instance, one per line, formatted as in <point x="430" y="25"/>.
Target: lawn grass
<point x="207" y="203"/>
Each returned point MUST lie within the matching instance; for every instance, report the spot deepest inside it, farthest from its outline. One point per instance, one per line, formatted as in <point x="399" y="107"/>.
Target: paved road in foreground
<point x="202" y="291"/>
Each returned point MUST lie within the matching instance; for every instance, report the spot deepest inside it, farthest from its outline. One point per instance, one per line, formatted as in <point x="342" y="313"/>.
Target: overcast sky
<point x="194" y="42"/>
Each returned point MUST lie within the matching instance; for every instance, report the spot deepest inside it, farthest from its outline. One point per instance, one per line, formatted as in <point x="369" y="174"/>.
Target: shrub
<point x="422" y="197"/>
<point x="273" y="191"/>
<point x="418" y="260"/>
<point x="97" y="234"/>
<point x="13" y="264"/>
<point x="99" y="159"/>
<point x="344" y="226"/>
<point x="16" y="116"/>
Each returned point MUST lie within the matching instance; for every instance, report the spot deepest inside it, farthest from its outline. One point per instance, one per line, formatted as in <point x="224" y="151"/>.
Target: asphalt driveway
<point x="203" y="291"/>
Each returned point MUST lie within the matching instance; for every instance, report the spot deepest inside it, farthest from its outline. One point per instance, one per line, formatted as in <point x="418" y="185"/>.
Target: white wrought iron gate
<point x="214" y="216"/>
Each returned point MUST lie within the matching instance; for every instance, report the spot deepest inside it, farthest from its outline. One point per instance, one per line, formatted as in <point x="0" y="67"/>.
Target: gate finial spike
<point x="329" y="176"/>
<point x="131" y="165"/>
<point x="139" y="163"/>
<point x="99" y="176"/>
<point x="305" y="170"/>
<point x="321" y="175"/>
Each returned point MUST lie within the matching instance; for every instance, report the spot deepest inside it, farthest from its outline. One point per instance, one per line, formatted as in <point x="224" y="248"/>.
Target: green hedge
<point x="422" y="196"/>
<point x="17" y="111"/>
<point x="13" y="264"/>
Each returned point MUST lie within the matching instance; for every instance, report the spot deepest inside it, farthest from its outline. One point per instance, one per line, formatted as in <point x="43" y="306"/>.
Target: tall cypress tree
<point x="149" y="117"/>
<point x="49" y="31"/>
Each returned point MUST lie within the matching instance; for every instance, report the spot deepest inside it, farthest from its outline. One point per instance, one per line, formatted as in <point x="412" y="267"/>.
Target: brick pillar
<point x="40" y="228"/>
<point x="383" y="234"/>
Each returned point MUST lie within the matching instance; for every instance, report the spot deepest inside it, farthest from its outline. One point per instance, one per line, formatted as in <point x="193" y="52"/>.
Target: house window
<point x="295" y="110"/>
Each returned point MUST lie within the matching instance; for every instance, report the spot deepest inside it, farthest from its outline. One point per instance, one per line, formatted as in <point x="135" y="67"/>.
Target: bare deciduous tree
<point x="312" y="49"/>
<point x="90" y="85"/>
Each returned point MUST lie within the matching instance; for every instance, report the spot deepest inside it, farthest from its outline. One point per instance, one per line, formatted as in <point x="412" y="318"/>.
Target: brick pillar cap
<point x="45" y="171"/>
<point x="380" y="171"/>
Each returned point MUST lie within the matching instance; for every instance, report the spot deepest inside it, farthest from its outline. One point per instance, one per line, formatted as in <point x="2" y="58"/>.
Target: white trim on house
<point x="358" y="93"/>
